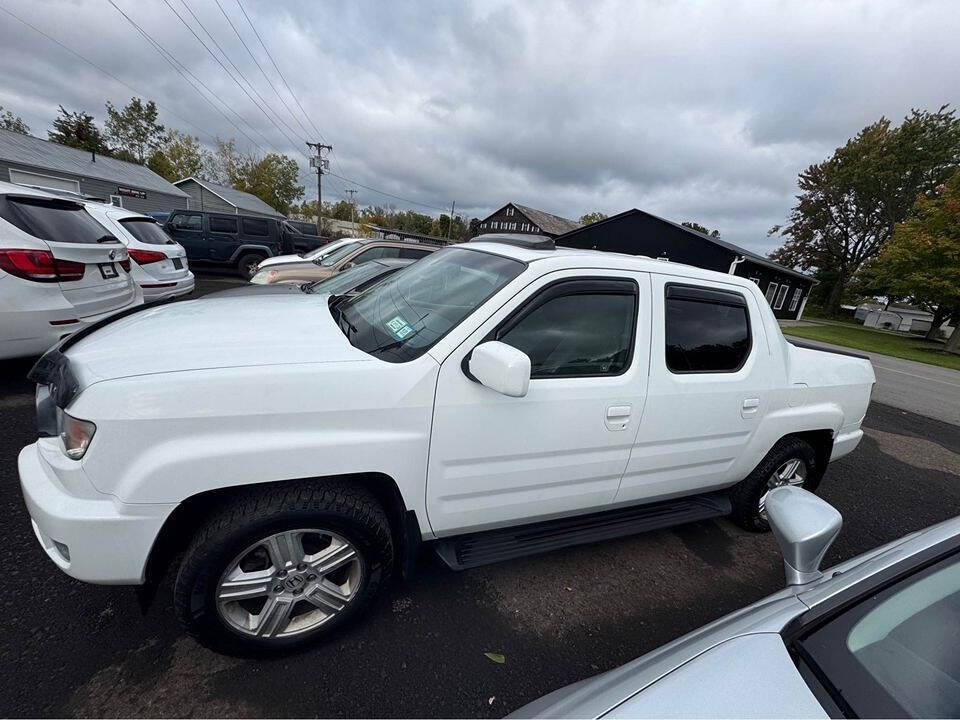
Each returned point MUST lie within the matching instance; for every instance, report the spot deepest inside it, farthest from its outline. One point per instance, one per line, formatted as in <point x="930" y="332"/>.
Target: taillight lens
<point x="144" y="257"/>
<point x="40" y="266"/>
<point x="125" y="264"/>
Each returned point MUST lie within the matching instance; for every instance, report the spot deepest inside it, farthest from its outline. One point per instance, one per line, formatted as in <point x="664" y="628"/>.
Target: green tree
<point x="272" y="178"/>
<point x="134" y="130"/>
<point x="224" y="164"/>
<point x="9" y="121"/>
<point x="922" y="259"/>
<point x="591" y="218"/>
<point x="700" y="228"/>
<point x="181" y="156"/>
<point x="77" y="130"/>
<point x="850" y="203"/>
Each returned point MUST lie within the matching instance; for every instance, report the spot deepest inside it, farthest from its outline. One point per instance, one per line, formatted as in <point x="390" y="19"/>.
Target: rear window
<point x="146" y="231"/>
<point x="706" y="330"/>
<point x="252" y="226"/>
<point x="54" y="220"/>
<point x="223" y="225"/>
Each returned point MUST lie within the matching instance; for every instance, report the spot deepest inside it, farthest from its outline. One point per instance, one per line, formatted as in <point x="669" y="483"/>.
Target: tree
<point x="850" y="203"/>
<point x="922" y="259"/>
<point x="272" y="178"/>
<point x="134" y="130"/>
<point x="9" y="121"/>
<point x="77" y="130"/>
<point x="700" y="228"/>
<point x="181" y="156"/>
<point x="591" y="218"/>
<point x="223" y="165"/>
<point x="474" y="228"/>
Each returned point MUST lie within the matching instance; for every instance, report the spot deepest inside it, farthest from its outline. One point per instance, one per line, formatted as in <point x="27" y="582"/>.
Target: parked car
<point x="875" y="636"/>
<point x="347" y="283"/>
<point x="308" y="256"/>
<point x="350" y="254"/>
<point x="159" y="216"/>
<point x="495" y="398"/>
<point x="157" y="263"/>
<point x="60" y="271"/>
<point x="303" y="227"/>
<point x="238" y="241"/>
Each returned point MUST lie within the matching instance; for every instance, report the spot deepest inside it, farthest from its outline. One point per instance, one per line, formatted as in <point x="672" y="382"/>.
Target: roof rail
<point x="531" y="242"/>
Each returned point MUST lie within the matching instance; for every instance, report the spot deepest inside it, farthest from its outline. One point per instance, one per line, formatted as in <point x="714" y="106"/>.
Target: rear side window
<point x="146" y="231"/>
<point x="255" y="226"/>
<point x="376" y="253"/>
<point x="53" y="220"/>
<point x="182" y="221"/>
<point x="577" y="329"/>
<point x="223" y="225"/>
<point x="706" y="330"/>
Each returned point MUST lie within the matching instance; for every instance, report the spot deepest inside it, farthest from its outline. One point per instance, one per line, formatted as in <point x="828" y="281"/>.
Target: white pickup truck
<point x="496" y="398"/>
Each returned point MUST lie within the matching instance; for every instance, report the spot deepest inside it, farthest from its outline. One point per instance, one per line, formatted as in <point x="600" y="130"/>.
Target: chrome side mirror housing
<point x="805" y="527"/>
<point x="501" y="368"/>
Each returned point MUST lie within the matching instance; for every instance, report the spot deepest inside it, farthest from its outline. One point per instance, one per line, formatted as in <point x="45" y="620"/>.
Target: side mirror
<point x="347" y="266"/>
<point x="805" y="527"/>
<point x="501" y="367"/>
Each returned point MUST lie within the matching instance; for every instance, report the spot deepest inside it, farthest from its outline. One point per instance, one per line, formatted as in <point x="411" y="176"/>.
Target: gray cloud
<point x="699" y="111"/>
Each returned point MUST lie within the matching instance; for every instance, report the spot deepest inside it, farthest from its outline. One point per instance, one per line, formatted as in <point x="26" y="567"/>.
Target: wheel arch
<point x="822" y="443"/>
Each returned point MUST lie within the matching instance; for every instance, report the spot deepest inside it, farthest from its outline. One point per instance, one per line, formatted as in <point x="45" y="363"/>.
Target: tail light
<point x="125" y="264"/>
<point x="144" y="257"/>
<point x="40" y="266"/>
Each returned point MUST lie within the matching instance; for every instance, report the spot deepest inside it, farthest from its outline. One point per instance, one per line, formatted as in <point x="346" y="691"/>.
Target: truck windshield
<point x="399" y="319"/>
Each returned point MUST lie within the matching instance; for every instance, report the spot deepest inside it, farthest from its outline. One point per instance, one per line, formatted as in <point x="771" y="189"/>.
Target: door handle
<point x="615" y="412"/>
<point x="750" y="407"/>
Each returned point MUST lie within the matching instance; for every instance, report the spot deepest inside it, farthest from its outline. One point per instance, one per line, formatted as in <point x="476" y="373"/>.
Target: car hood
<point x="281" y="259"/>
<point x="219" y="332"/>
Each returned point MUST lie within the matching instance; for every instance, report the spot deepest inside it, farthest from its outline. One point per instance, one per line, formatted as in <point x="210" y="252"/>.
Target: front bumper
<point x="90" y="536"/>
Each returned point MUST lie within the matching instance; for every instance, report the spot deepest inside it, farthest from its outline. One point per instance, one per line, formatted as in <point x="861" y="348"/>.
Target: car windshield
<point x="402" y="317"/>
<point x="146" y="231"/>
<point x="323" y="250"/>
<point x="54" y="220"/>
<point x="348" y="280"/>
<point x="337" y="255"/>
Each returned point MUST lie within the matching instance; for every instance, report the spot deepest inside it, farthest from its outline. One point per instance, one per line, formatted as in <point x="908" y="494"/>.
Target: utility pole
<point x="320" y="163"/>
<point x="353" y="205"/>
<point x="450" y="224"/>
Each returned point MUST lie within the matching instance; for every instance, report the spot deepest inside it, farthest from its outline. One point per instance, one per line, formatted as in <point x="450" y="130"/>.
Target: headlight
<point x="263" y="277"/>
<point x="74" y="434"/>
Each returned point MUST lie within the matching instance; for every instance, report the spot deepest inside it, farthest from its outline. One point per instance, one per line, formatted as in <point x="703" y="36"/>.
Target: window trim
<point x="564" y="287"/>
<point x="771" y="293"/>
<point x="711" y="296"/>
<point x="795" y="300"/>
<point x="782" y="296"/>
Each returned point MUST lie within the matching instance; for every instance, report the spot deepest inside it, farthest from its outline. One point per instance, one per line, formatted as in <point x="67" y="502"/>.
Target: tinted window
<point x="413" y="254"/>
<point x="53" y="220"/>
<point x="336" y="255"/>
<point x="582" y="334"/>
<point x="146" y="231"/>
<point x="400" y="318"/>
<point x="376" y="253"/>
<point x="706" y="335"/>
<point x="255" y="226"/>
<point x="223" y="225"/>
<point x="349" y="279"/>
<point x="181" y="221"/>
<point x="895" y="654"/>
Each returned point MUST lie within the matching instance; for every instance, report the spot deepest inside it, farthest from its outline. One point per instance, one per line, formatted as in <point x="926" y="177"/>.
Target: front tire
<point x="279" y="568"/>
<point x="791" y="462"/>
<point x="247" y="265"/>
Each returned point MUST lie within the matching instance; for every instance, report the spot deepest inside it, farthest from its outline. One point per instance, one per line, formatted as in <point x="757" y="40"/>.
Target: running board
<point x="483" y="548"/>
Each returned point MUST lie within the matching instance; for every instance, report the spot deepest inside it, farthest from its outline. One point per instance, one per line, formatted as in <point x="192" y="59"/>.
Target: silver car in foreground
<point x="876" y="636"/>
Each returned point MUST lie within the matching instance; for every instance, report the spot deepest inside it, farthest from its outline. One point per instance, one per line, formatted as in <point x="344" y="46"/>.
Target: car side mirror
<point x="805" y="527"/>
<point x="501" y="368"/>
<point x="347" y="266"/>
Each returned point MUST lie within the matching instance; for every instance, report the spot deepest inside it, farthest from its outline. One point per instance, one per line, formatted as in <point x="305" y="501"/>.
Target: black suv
<point x="239" y="241"/>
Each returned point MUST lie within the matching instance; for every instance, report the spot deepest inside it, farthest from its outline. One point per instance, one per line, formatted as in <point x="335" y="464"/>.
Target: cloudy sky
<point x="699" y="111"/>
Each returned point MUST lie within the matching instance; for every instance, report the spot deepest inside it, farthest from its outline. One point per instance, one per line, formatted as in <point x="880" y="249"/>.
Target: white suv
<point x="493" y="399"/>
<point x="60" y="271"/>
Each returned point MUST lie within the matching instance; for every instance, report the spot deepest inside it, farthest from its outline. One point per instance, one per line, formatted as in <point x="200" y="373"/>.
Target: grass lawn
<point x="907" y="347"/>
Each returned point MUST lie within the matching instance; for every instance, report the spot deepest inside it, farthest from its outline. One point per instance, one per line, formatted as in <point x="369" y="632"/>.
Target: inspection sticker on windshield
<point x="398" y="326"/>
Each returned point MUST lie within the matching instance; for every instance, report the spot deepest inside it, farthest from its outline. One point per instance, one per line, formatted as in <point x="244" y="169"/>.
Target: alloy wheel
<point x="791" y="472"/>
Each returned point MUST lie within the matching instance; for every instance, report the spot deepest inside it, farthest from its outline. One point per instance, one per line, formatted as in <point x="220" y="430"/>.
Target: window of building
<point x="756" y="281"/>
<point x="513" y="226"/>
<point x="184" y="221"/>
<point x="483" y="225"/>
<point x="509" y="212"/>
<point x="223" y="225"/>
<point x="577" y="329"/>
<point x="706" y="330"/>
<point x="255" y="226"/>
<point x="536" y="229"/>
<point x="116" y="200"/>
<point x="781" y="296"/>
<point x="771" y="292"/>
<point x="796" y="299"/>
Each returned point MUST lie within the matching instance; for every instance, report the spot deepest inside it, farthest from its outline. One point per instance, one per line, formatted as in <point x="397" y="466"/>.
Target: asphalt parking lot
<point x="70" y="649"/>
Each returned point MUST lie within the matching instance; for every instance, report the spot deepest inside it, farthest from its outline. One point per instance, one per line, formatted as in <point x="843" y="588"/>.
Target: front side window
<point x="58" y="221"/>
<point x="895" y="653"/>
<point x="182" y="221"/>
<point x="580" y="329"/>
<point x="255" y="226"/>
<point x="706" y="330"/>
<point x="223" y="225"/>
<point x="402" y="317"/>
<point x="376" y="253"/>
<point x="147" y="231"/>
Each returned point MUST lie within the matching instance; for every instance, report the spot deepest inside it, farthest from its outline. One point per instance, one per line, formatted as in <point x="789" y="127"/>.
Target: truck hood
<point x="213" y="332"/>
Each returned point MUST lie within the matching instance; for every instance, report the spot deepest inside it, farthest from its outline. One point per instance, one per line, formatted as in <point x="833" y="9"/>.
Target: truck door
<point x="187" y="229"/>
<point x="711" y="376"/>
<point x="223" y="236"/>
<point x="497" y="460"/>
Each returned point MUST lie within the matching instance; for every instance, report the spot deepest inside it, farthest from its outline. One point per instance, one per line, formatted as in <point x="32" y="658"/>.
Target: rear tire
<point x="307" y="559"/>
<point x="247" y="265"/>
<point x="776" y="468"/>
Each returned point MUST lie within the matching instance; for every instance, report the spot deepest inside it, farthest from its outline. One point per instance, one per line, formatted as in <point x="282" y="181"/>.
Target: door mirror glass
<point x="501" y="368"/>
<point x="805" y="527"/>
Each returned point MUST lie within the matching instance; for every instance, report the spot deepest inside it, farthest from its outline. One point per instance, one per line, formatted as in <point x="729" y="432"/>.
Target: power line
<point x="381" y="192"/>
<point x="102" y="70"/>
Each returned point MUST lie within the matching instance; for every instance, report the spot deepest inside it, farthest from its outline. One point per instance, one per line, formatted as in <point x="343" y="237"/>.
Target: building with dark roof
<point x="515" y="218"/>
<point x="211" y="197"/>
<point x="636" y="232"/>
<point x="28" y="160"/>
